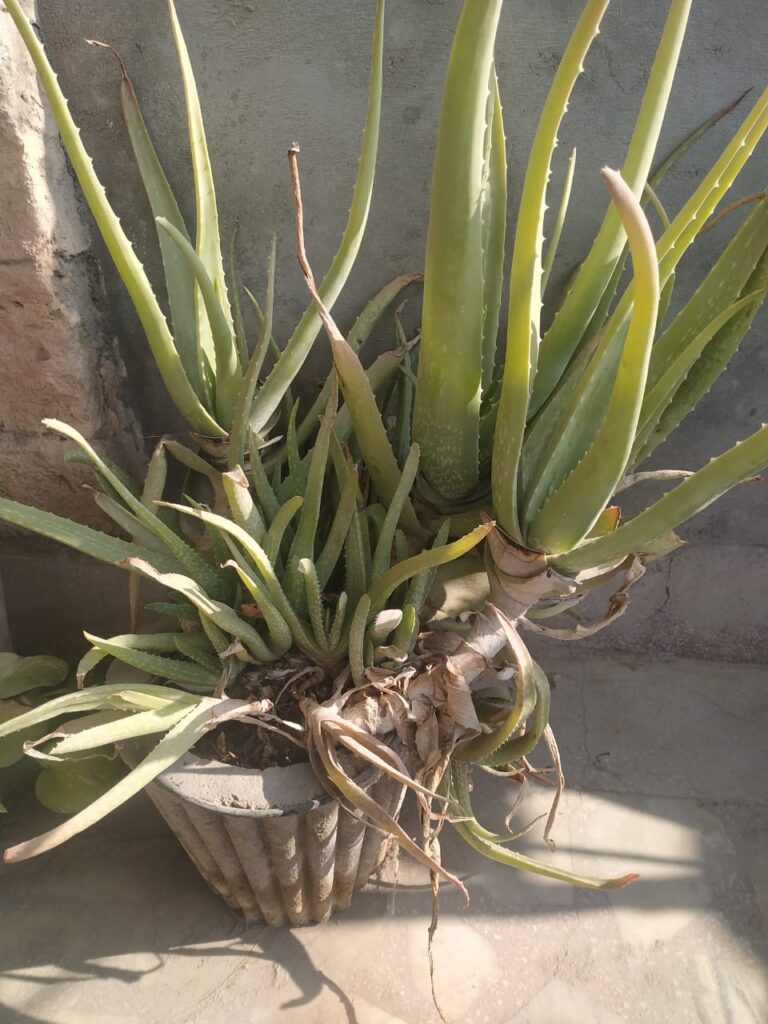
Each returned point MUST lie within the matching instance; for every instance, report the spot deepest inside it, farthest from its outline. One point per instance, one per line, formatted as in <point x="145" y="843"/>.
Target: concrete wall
<point x="281" y="70"/>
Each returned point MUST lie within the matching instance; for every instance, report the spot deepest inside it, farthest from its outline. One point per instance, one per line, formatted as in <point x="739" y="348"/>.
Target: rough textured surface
<point x="117" y="927"/>
<point x="57" y="357"/>
<point x="275" y="71"/>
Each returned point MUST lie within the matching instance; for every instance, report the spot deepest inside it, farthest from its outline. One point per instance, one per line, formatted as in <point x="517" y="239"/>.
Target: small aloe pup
<point x="545" y="438"/>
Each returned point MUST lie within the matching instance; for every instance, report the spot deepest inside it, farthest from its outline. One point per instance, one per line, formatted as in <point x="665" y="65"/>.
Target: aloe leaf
<point x="240" y="419"/>
<point x="356" y="562"/>
<point x="120" y="249"/>
<point x="314" y="602"/>
<point x="720" y="288"/>
<point x="337" y="535"/>
<point x="357" y="631"/>
<point x="523" y="323"/>
<point x="220" y="614"/>
<point x="494" y="215"/>
<point x="503" y="855"/>
<point x="659" y="396"/>
<point x="226" y="359"/>
<point x="709" y="366"/>
<point x="208" y="242"/>
<point x="107" y="696"/>
<point x="557" y="229"/>
<point x="571" y="511"/>
<point x="74" y="535"/>
<point x="582" y="300"/>
<point x="422" y="582"/>
<point x="179" y="280"/>
<point x="370" y="432"/>
<point x="280" y="635"/>
<point x="302" y="339"/>
<point x="303" y="546"/>
<point x="265" y="494"/>
<point x="241" y="504"/>
<point x="447" y="404"/>
<point x="180" y="550"/>
<point x="383" y="553"/>
<point x="280" y="524"/>
<point x="17" y="674"/>
<point x="739" y="463"/>
<point x="156" y="664"/>
<point x="381" y="589"/>
<point x="258" y="556"/>
<point x="140" y="723"/>
<point x="181" y="738"/>
<point x="237" y="306"/>
<point x="380" y="374"/>
<point x="358" y="335"/>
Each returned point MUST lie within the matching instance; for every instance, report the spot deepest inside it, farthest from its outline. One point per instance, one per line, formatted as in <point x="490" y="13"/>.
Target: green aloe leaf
<point x="523" y="322"/>
<point x="240" y="420"/>
<point x="744" y="460"/>
<point x="593" y="277"/>
<point x="557" y="229"/>
<point x="175" y="545"/>
<point x="178" y="671"/>
<point x="74" y="535"/>
<point x="292" y="358"/>
<point x="179" y="280"/>
<point x="178" y="741"/>
<point x="208" y="241"/>
<point x="447" y="404"/>
<point x="225" y="356"/>
<point x="120" y="249"/>
<point x="494" y="214"/>
<point x="568" y="515"/>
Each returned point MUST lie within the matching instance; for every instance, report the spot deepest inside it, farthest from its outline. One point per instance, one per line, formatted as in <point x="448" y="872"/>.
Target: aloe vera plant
<point x="321" y="554"/>
<point x="544" y="438"/>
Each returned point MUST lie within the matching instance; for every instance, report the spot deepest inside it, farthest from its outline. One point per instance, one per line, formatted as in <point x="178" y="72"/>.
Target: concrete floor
<point x="667" y="766"/>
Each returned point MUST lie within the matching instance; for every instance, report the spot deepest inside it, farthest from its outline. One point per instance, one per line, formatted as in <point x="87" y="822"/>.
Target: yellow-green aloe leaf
<point x="582" y="300"/>
<point x="400" y="573"/>
<point x="303" y="546"/>
<point x="179" y="280"/>
<point x="279" y="527"/>
<point x="222" y="615"/>
<point x="557" y="229"/>
<point x="208" y="241"/>
<point x="337" y="535"/>
<point x="383" y="552"/>
<point x="181" y="738"/>
<point x="658" y="397"/>
<point x="494" y="214"/>
<point x="96" y="698"/>
<point x="225" y="356"/>
<point x="280" y="634"/>
<point x="105" y="733"/>
<point x="242" y="413"/>
<point x="155" y="664"/>
<point x="567" y="516"/>
<point x="74" y="535"/>
<point x="710" y="364"/>
<point x="177" y="547"/>
<point x="120" y="249"/>
<point x="358" y="335"/>
<point x="244" y="511"/>
<point x="447" y="403"/>
<point x="523" y="322"/>
<point x="744" y="460"/>
<point x="292" y="358"/>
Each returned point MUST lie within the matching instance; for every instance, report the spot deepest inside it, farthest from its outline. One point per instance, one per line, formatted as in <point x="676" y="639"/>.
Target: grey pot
<point x="271" y="843"/>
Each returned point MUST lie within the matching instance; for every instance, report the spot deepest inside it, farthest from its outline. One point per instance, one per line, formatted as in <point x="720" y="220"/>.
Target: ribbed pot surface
<point x="271" y="843"/>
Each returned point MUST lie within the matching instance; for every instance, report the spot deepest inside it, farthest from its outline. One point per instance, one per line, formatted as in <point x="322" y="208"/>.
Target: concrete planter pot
<point x="271" y="843"/>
